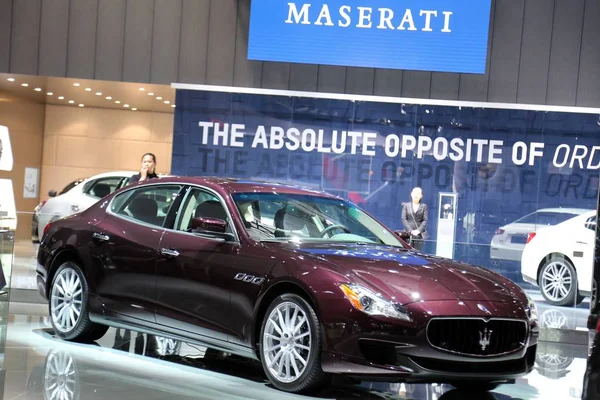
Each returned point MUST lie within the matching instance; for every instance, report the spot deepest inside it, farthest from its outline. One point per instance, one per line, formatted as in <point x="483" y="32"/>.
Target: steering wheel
<point x="332" y="227"/>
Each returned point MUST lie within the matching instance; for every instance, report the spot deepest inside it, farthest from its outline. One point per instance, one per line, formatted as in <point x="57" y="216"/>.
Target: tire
<point x="560" y="270"/>
<point x="306" y="346"/>
<point x="475" y="386"/>
<point x="70" y="280"/>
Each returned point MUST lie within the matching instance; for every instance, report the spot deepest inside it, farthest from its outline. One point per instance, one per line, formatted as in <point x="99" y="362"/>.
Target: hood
<point x="410" y="276"/>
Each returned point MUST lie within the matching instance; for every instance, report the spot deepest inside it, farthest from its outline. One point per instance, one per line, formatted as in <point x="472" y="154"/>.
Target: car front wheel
<point x="68" y="306"/>
<point x="558" y="282"/>
<point x="290" y="345"/>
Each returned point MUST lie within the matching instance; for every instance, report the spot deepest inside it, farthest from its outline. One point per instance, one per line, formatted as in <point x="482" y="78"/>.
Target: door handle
<point x="74" y="207"/>
<point x="101" y="236"/>
<point x="169" y="252"/>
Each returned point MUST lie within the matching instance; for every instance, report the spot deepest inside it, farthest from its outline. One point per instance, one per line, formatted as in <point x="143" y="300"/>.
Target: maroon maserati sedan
<point x="305" y="282"/>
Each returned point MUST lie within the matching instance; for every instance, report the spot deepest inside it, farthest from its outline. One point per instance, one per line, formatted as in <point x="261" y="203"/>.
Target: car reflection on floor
<point x="88" y="371"/>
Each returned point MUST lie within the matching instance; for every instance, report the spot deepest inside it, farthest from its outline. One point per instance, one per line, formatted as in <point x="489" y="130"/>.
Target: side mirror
<point x="209" y="224"/>
<point x="52" y="193"/>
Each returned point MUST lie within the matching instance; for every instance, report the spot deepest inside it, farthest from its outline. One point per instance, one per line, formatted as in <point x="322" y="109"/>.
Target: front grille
<point x="476" y="337"/>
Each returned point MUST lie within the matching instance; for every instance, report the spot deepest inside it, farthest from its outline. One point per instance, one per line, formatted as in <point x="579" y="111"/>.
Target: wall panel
<point x="565" y="52"/>
<point x="83" y="18"/>
<point x="54" y="31"/>
<point x="194" y="41"/>
<point x="25" y="32"/>
<point x="138" y="40"/>
<point x="165" y="41"/>
<point x="5" y="27"/>
<point x="109" y="41"/>
<point x="221" y="42"/>
<point x="387" y="82"/>
<point x="332" y="79"/>
<point x="588" y="85"/>
<point x="360" y="80"/>
<point x="246" y="73"/>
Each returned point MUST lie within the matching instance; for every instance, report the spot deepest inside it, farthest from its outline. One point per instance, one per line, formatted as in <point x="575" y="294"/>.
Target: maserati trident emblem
<point x="484" y="338"/>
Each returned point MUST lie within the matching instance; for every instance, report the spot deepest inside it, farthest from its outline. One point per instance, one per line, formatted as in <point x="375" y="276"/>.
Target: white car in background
<point x="76" y="197"/>
<point x="509" y="240"/>
<point x="560" y="260"/>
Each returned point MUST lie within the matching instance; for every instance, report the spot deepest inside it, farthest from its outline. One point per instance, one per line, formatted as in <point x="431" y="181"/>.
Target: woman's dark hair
<point x="151" y="155"/>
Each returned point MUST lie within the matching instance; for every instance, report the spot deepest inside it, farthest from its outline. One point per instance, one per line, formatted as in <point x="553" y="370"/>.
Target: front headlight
<point x="371" y="303"/>
<point x="532" y="311"/>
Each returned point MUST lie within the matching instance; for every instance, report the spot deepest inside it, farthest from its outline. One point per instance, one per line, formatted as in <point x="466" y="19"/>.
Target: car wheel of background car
<point x="69" y="306"/>
<point x="558" y="282"/>
<point x="290" y="345"/>
<point x="475" y="387"/>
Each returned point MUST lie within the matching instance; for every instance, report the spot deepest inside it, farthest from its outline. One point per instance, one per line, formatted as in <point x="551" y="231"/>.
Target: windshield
<point x="276" y="216"/>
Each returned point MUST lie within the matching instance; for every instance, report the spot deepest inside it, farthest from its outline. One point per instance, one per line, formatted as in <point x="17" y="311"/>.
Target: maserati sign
<point x="485" y="338"/>
<point x="433" y="35"/>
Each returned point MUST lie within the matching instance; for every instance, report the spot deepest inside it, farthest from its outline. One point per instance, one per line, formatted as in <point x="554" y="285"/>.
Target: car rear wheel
<point x="68" y="306"/>
<point x="290" y="345"/>
<point x="558" y="282"/>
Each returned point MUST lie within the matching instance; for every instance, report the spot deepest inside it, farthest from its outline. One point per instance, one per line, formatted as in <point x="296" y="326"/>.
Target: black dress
<point x="135" y="178"/>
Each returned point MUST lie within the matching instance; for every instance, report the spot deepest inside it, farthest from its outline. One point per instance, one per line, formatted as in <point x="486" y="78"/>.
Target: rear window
<point x="546" y="218"/>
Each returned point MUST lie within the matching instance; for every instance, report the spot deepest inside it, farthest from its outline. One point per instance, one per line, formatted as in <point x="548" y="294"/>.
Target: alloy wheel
<point x="287" y="342"/>
<point x="66" y="300"/>
<point x="60" y="377"/>
<point x="557" y="281"/>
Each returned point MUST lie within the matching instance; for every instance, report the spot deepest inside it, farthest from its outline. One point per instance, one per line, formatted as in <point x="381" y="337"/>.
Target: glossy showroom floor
<point x="127" y="365"/>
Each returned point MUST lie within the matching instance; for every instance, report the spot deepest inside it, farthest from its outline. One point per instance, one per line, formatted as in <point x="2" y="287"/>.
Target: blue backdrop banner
<point x="430" y="35"/>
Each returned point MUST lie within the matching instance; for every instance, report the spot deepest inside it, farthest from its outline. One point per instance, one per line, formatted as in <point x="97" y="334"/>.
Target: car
<point x="77" y="196"/>
<point x="509" y="240"/>
<point x="560" y="259"/>
<point x="305" y="282"/>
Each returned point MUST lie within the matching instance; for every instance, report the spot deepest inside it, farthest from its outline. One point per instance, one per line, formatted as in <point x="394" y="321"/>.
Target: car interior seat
<point x="101" y="190"/>
<point x="145" y="209"/>
<point x="291" y="218"/>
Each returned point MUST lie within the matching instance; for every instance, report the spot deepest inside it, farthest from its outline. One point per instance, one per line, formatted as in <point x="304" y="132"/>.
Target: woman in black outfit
<point x="148" y="169"/>
<point x="415" y="216"/>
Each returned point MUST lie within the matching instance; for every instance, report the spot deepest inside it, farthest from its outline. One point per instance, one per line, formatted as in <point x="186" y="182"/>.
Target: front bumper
<point x="368" y="349"/>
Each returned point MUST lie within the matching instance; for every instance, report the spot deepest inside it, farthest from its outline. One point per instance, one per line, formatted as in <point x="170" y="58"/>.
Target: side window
<point x="150" y="204"/>
<point x="200" y="203"/>
<point x="591" y="223"/>
<point x="102" y="187"/>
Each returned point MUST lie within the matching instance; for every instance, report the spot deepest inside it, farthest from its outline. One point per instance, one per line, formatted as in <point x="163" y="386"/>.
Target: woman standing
<point x="148" y="169"/>
<point x="415" y="216"/>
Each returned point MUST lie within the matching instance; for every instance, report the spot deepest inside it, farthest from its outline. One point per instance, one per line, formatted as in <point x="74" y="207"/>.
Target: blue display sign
<point x="429" y="35"/>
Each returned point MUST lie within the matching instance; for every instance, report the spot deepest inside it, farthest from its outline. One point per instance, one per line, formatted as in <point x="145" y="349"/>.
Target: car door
<point x="195" y="268"/>
<point x="583" y="252"/>
<point x="124" y="249"/>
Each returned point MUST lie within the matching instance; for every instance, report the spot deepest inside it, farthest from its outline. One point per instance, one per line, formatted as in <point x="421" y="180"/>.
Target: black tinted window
<point x="150" y="204"/>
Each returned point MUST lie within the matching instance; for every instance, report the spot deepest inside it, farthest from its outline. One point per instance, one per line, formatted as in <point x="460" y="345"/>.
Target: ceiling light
<point x="117" y="102"/>
<point x="98" y="93"/>
<point x="125" y="105"/>
<point x="49" y="93"/>
<point x="76" y="84"/>
<point x="159" y="98"/>
<point x="37" y="89"/>
<point x="11" y="79"/>
<point x="61" y="98"/>
<point x="87" y="89"/>
<point x="81" y="105"/>
<point x="108" y="98"/>
<point x="71" y="101"/>
<point x="25" y="84"/>
<point x="134" y="109"/>
<point x="141" y="89"/>
<point x="173" y="105"/>
<point x="150" y="94"/>
<point x="167" y="102"/>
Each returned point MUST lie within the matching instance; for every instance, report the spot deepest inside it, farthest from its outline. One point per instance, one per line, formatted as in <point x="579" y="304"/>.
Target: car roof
<point x="566" y="210"/>
<point x="238" y="185"/>
<point x="112" y="173"/>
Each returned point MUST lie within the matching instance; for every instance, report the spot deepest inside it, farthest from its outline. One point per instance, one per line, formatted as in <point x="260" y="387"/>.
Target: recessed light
<point x="167" y="102"/>
<point x="117" y="102"/>
<point x="71" y="101"/>
<point x="150" y="94"/>
<point x="159" y="98"/>
<point x="98" y="93"/>
<point x="87" y="89"/>
<point x="81" y="105"/>
<point x="61" y="97"/>
<point x="11" y="79"/>
<point x="76" y="84"/>
<point x="173" y="105"/>
<point x="141" y="89"/>
<point x="37" y="89"/>
<point x="125" y="105"/>
<point x="108" y="98"/>
<point x="134" y="109"/>
<point x="25" y="84"/>
<point x="49" y="93"/>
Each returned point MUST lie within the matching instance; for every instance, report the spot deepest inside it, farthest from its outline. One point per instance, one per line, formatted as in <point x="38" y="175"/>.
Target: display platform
<point x="126" y="364"/>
